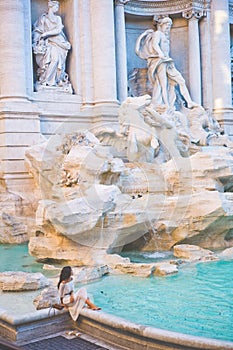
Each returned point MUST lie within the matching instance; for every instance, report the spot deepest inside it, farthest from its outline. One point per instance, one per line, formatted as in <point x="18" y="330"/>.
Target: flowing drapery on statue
<point x="154" y="46"/>
<point x="50" y="47"/>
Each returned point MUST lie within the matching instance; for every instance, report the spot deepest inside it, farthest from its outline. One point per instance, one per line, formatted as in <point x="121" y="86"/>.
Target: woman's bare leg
<point x="91" y="305"/>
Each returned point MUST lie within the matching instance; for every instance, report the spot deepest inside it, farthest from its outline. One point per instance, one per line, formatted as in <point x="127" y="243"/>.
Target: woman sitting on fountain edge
<point x="73" y="301"/>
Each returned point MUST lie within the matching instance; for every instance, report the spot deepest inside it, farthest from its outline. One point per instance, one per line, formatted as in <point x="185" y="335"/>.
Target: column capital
<point x="121" y="2"/>
<point x="194" y="13"/>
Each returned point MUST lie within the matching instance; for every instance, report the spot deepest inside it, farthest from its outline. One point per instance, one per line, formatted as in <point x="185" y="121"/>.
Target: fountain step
<point x="31" y="327"/>
<point x="60" y="343"/>
<point x="110" y="332"/>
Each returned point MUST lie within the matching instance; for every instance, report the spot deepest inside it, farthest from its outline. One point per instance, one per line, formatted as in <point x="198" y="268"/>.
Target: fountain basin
<point x="112" y="330"/>
<point x="196" y="301"/>
<point x="148" y="304"/>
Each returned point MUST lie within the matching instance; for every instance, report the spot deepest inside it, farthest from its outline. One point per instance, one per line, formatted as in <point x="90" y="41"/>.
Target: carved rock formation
<point x="17" y="212"/>
<point x="136" y="187"/>
<point x="21" y="281"/>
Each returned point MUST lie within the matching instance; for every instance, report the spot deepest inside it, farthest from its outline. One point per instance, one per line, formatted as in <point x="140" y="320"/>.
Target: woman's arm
<point x="61" y="292"/>
<point x="72" y="297"/>
<point x="71" y="286"/>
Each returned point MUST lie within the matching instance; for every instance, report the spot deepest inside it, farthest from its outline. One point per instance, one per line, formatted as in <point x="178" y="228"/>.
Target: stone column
<point x="206" y="64"/>
<point x="19" y="118"/>
<point x="194" y="55"/>
<point x="71" y="15"/>
<point x="222" y="99"/>
<point x="12" y="45"/>
<point x="103" y="51"/>
<point x="121" y="59"/>
<point x="86" y="56"/>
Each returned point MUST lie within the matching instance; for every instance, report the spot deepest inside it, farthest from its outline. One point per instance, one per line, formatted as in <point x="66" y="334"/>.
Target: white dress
<point x="80" y="297"/>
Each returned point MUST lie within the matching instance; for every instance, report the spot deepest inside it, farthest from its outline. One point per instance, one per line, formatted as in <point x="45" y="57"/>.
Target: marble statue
<point x="204" y="130"/>
<point x="142" y="141"/>
<point x="50" y="47"/>
<point x="154" y="46"/>
<point x="135" y="139"/>
<point x="144" y="134"/>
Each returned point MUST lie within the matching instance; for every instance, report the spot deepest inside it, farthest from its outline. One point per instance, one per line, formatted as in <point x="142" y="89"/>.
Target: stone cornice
<point x="166" y="7"/>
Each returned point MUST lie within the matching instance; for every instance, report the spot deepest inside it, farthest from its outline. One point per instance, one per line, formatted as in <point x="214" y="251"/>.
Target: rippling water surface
<point x="198" y="300"/>
<point x="14" y="257"/>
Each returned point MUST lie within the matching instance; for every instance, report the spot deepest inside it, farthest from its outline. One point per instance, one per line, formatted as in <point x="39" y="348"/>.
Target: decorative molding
<point x="166" y="7"/>
<point x="193" y="14"/>
<point x="121" y="2"/>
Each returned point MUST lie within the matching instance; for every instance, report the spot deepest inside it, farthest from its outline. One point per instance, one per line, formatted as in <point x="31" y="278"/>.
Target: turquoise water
<point x="198" y="300"/>
<point x="147" y="257"/>
<point x="14" y="257"/>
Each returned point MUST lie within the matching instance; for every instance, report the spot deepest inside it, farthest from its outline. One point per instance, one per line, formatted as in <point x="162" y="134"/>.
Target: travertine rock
<point x="13" y="230"/>
<point x="192" y="252"/>
<point x="94" y="204"/>
<point x="17" y="216"/>
<point x="146" y="270"/>
<point x="136" y="269"/>
<point x="47" y="298"/>
<point x="21" y="281"/>
<point x="165" y="268"/>
<point x="226" y="254"/>
<point x="86" y="274"/>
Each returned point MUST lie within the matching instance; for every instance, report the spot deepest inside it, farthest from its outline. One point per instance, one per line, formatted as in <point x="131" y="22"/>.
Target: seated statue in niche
<point x="50" y="47"/>
<point x="154" y="46"/>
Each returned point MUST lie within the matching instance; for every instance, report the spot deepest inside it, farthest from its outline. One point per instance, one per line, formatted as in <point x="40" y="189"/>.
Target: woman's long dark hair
<point x="64" y="275"/>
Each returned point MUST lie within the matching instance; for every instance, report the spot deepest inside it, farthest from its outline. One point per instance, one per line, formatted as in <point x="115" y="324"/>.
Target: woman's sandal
<point x="75" y="333"/>
<point x="96" y="308"/>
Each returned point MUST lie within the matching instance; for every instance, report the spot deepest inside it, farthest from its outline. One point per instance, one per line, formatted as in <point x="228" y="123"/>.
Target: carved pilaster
<point x="220" y="51"/>
<point x="103" y="51"/>
<point x="12" y="59"/>
<point x="121" y="60"/>
<point x="206" y="62"/>
<point x="194" y="55"/>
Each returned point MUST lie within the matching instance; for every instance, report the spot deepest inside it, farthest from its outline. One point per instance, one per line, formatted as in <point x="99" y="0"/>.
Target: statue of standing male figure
<point x="154" y="46"/>
<point x="50" y="47"/>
